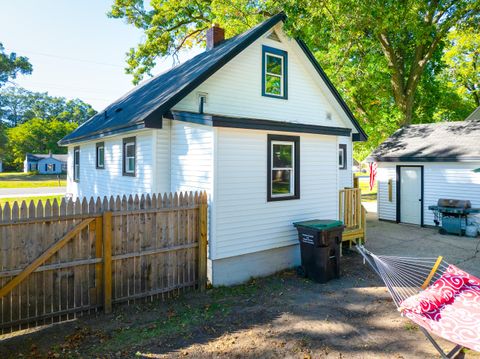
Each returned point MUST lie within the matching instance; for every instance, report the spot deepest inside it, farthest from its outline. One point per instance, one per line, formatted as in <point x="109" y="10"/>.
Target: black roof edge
<point x="162" y="110"/>
<point x="103" y="133"/>
<point x="422" y="159"/>
<point x="361" y="136"/>
<point x="255" y="124"/>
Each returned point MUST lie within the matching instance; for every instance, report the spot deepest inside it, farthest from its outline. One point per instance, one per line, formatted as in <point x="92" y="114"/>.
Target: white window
<point x="284" y="180"/>
<point x="129" y="156"/>
<point x="342" y="156"/>
<point x="273" y="75"/>
<point x="274" y="72"/>
<point x="76" y="164"/>
<point x="100" y="155"/>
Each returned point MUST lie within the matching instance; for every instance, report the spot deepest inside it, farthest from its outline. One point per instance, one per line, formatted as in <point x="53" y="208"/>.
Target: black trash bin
<point x="320" y="242"/>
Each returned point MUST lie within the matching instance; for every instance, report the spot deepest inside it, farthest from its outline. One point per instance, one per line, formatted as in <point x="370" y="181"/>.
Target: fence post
<point x="107" y="262"/>
<point x="202" y="243"/>
<point x="98" y="254"/>
<point x="356" y="183"/>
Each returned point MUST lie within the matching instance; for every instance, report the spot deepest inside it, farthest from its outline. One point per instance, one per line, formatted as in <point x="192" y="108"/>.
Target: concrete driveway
<point x="31" y="192"/>
<point x="394" y="239"/>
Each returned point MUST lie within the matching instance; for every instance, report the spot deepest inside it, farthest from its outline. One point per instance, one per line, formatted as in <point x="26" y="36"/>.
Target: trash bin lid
<point x="319" y="224"/>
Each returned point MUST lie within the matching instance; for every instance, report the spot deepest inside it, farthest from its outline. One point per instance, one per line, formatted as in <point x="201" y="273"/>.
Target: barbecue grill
<point x="452" y="214"/>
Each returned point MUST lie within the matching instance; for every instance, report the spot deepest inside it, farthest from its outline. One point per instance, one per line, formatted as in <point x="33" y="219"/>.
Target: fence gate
<point x="59" y="260"/>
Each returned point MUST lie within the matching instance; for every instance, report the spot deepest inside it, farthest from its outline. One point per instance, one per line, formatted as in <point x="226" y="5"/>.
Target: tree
<point x="11" y="65"/>
<point x="18" y="105"/>
<point x="462" y="56"/>
<point x="35" y="136"/>
<point x="383" y="55"/>
<point x="3" y="140"/>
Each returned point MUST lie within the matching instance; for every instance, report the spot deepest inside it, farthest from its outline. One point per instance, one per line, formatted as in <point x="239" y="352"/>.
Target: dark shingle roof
<point x="151" y="99"/>
<point x="475" y="115"/>
<point x="38" y="156"/>
<point x="436" y="142"/>
<point x="145" y="105"/>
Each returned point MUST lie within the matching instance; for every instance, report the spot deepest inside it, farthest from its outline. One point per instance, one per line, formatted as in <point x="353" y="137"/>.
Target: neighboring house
<point x="254" y="121"/>
<point x="45" y="163"/>
<point x="419" y="164"/>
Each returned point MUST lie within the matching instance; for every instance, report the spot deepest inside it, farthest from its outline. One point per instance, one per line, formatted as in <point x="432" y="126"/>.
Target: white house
<point x="45" y="163"/>
<point x="419" y="164"/>
<point x="254" y="121"/>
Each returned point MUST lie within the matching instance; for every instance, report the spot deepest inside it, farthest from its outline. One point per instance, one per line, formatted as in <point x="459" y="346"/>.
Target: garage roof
<point x="436" y="142"/>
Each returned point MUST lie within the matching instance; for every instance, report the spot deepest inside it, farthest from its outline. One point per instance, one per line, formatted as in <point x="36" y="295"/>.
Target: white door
<point x="410" y="195"/>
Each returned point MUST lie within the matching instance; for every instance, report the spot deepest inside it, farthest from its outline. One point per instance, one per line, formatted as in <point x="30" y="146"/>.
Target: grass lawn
<point x="26" y="180"/>
<point x="3" y="201"/>
<point x="367" y="195"/>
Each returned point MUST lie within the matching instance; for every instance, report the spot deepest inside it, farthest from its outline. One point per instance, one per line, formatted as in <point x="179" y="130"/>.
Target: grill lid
<point x="454" y="203"/>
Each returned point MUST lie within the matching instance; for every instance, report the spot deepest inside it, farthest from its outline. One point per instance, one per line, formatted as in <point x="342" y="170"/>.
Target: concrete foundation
<point x="239" y="269"/>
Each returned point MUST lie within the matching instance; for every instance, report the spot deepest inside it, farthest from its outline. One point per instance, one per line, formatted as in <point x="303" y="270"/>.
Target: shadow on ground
<point x="284" y="315"/>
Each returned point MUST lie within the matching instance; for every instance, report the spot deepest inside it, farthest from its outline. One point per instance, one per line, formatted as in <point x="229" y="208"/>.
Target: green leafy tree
<point x="35" y="136"/>
<point x="3" y="140"/>
<point x="462" y="57"/>
<point x="383" y="55"/>
<point x="18" y="105"/>
<point x="11" y="65"/>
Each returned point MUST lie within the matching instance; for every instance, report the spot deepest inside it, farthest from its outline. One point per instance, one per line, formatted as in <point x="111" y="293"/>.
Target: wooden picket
<point x="60" y="260"/>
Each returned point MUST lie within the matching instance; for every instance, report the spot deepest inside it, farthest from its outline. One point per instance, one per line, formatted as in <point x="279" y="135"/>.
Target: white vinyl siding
<point x="441" y="180"/>
<point x="192" y="157"/>
<point x="110" y="181"/>
<point x="235" y="90"/>
<point x="386" y="209"/>
<point x="245" y="221"/>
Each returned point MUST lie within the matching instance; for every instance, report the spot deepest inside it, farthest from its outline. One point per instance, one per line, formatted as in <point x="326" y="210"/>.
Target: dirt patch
<point x="282" y="316"/>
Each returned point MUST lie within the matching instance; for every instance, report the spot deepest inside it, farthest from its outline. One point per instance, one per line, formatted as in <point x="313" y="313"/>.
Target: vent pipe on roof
<point x="215" y="35"/>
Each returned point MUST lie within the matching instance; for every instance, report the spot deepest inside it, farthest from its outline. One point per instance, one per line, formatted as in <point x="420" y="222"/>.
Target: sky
<point x="75" y="49"/>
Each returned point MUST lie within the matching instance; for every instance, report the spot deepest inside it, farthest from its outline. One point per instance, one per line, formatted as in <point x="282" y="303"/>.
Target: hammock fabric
<point x="454" y="316"/>
<point x="437" y="296"/>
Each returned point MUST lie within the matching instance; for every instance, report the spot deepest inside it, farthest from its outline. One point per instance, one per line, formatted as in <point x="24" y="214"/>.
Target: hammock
<point x="439" y="297"/>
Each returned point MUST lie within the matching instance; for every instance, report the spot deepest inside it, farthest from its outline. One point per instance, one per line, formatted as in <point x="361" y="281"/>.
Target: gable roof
<point x="145" y="105"/>
<point x="35" y="157"/>
<point x="435" y="142"/>
<point x="475" y="115"/>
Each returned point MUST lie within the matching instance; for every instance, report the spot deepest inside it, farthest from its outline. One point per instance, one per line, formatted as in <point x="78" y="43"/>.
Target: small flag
<point x="373" y="174"/>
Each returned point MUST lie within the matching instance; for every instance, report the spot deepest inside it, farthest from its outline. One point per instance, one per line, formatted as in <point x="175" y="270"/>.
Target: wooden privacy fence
<point x="58" y="260"/>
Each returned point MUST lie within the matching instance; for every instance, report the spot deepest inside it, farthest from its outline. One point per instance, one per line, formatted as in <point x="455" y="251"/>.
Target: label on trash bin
<point x="307" y="238"/>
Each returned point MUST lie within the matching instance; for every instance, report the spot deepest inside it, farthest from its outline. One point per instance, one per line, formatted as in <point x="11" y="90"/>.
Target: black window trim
<point x="343" y="147"/>
<point x="279" y="53"/>
<point x="76" y="174"/>
<point x="296" y="166"/>
<point x="124" y="153"/>
<point x="97" y="146"/>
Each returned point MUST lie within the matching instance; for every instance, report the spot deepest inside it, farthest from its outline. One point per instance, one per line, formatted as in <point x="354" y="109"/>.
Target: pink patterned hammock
<point x="439" y="297"/>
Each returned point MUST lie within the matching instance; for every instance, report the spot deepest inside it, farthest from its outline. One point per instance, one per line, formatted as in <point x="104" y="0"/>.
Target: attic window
<point x="273" y="36"/>
<point x="274" y="72"/>
<point x="329" y="116"/>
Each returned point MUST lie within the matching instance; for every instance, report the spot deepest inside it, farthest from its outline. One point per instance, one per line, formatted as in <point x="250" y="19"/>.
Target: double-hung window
<point x="283" y="167"/>
<point x="342" y="156"/>
<point x="76" y="164"/>
<point x="100" y="157"/>
<point x="274" y="72"/>
<point x="129" y="156"/>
